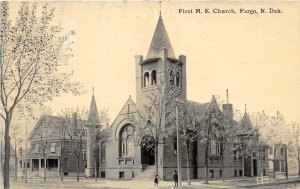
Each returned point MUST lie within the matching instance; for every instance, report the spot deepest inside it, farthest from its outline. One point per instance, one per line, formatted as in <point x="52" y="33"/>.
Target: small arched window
<point x="177" y="79"/>
<point x="146" y="79"/>
<point x="153" y="77"/>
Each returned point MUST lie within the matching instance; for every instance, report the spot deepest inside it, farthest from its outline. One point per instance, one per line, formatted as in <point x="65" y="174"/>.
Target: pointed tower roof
<point x="93" y="118"/>
<point x="160" y="39"/>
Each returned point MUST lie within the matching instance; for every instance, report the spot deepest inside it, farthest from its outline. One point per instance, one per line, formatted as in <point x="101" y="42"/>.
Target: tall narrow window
<point x="213" y="150"/>
<point x="130" y="145"/>
<point x="146" y="79"/>
<point x="153" y="77"/>
<point x="175" y="146"/>
<point x="52" y="149"/>
<point x="84" y="155"/>
<point x="177" y="79"/>
<point x="172" y="80"/>
<point x="102" y="152"/>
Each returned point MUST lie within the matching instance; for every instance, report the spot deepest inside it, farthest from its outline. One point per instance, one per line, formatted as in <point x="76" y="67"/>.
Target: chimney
<point x="74" y="116"/>
<point x="228" y="108"/>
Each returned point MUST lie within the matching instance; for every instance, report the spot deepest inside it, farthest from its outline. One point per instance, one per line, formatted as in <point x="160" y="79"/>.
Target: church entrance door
<point x="147" y="150"/>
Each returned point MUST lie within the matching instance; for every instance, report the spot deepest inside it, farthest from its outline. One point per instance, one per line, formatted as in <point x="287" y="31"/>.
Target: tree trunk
<point x="206" y="164"/>
<point x="16" y="162"/>
<point x="187" y="163"/>
<point x="222" y="162"/>
<point x="259" y="165"/>
<point x="298" y="162"/>
<point x="243" y="165"/>
<point x="78" y="164"/>
<point x="286" y="164"/>
<point x="45" y="166"/>
<point x="156" y="157"/>
<point x="6" y="152"/>
<point x="61" y="165"/>
<point x="274" y="162"/>
<point x="95" y="162"/>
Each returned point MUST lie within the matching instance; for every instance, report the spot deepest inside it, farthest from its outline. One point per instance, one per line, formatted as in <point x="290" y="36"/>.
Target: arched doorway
<point x="147" y="150"/>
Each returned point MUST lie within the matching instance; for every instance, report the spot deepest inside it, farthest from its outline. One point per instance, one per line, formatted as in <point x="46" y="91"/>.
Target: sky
<point x="255" y="56"/>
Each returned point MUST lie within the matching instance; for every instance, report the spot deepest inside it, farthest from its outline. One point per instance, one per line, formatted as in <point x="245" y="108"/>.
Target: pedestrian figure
<point x="175" y="178"/>
<point x="156" y="180"/>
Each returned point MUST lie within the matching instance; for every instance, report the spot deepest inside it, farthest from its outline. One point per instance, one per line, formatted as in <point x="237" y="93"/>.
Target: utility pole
<point x="178" y="101"/>
<point x="26" y="156"/>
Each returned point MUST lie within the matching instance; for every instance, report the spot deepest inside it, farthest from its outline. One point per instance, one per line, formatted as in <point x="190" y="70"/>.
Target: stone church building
<point x="123" y="157"/>
<point x="118" y="153"/>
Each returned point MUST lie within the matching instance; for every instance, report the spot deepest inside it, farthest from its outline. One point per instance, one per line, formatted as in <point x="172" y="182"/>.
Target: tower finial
<point x="160" y="10"/>
<point x="245" y="108"/>
<point x="93" y="90"/>
<point x="227" y="95"/>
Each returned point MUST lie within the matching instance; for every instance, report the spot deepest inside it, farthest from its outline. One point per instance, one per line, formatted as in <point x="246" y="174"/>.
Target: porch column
<point x="58" y="165"/>
<point x="40" y="164"/>
<point x="31" y="165"/>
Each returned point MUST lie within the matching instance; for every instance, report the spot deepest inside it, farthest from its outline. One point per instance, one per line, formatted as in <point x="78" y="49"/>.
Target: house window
<point x="241" y="172"/>
<point x="281" y="151"/>
<point x="220" y="172"/>
<point x="37" y="148"/>
<point x="121" y="175"/>
<point x="271" y="151"/>
<point x="102" y="152"/>
<point x="127" y="140"/>
<point x="211" y="174"/>
<point x="102" y="174"/>
<point x="83" y="155"/>
<point x="264" y="172"/>
<point x="153" y="77"/>
<point x="83" y="133"/>
<point x="235" y="173"/>
<point x="146" y="79"/>
<point x="52" y="148"/>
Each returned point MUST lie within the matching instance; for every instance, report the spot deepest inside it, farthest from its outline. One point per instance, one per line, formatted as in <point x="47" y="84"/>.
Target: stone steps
<point x="147" y="174"/>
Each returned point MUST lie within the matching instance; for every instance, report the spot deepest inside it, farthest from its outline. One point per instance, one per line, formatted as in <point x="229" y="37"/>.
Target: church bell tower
<point x="157" y="67"/>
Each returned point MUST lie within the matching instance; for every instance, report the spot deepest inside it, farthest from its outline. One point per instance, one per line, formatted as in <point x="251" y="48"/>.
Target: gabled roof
<point x="201" y="107"/>
<point x="93" y="118"/>
<point x="246" y="125"/>
<point x="45" y="122"/>
<point x="129" y="107"/>
<point x="160" y="40"/>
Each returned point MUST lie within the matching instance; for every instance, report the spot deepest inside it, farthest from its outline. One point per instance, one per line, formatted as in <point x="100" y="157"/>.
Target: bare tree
<point x="210" y="122"/>
<point x="59" y="130"/>
<point x="155" y="117"/>
<point x="32" y="50"/>
<point x="18" y="139"/>
<point x="296" y="142"/>
<point x="75" y="131"/>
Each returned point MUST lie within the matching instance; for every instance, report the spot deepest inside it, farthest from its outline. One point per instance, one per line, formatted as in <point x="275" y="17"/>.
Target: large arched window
<point x="127" y="140"/>
<point x="146" y="79"/>
<point x="153" y="77"/>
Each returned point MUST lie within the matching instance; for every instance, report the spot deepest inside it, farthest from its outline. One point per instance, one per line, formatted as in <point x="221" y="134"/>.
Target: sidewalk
<point x="89" y="183"/>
